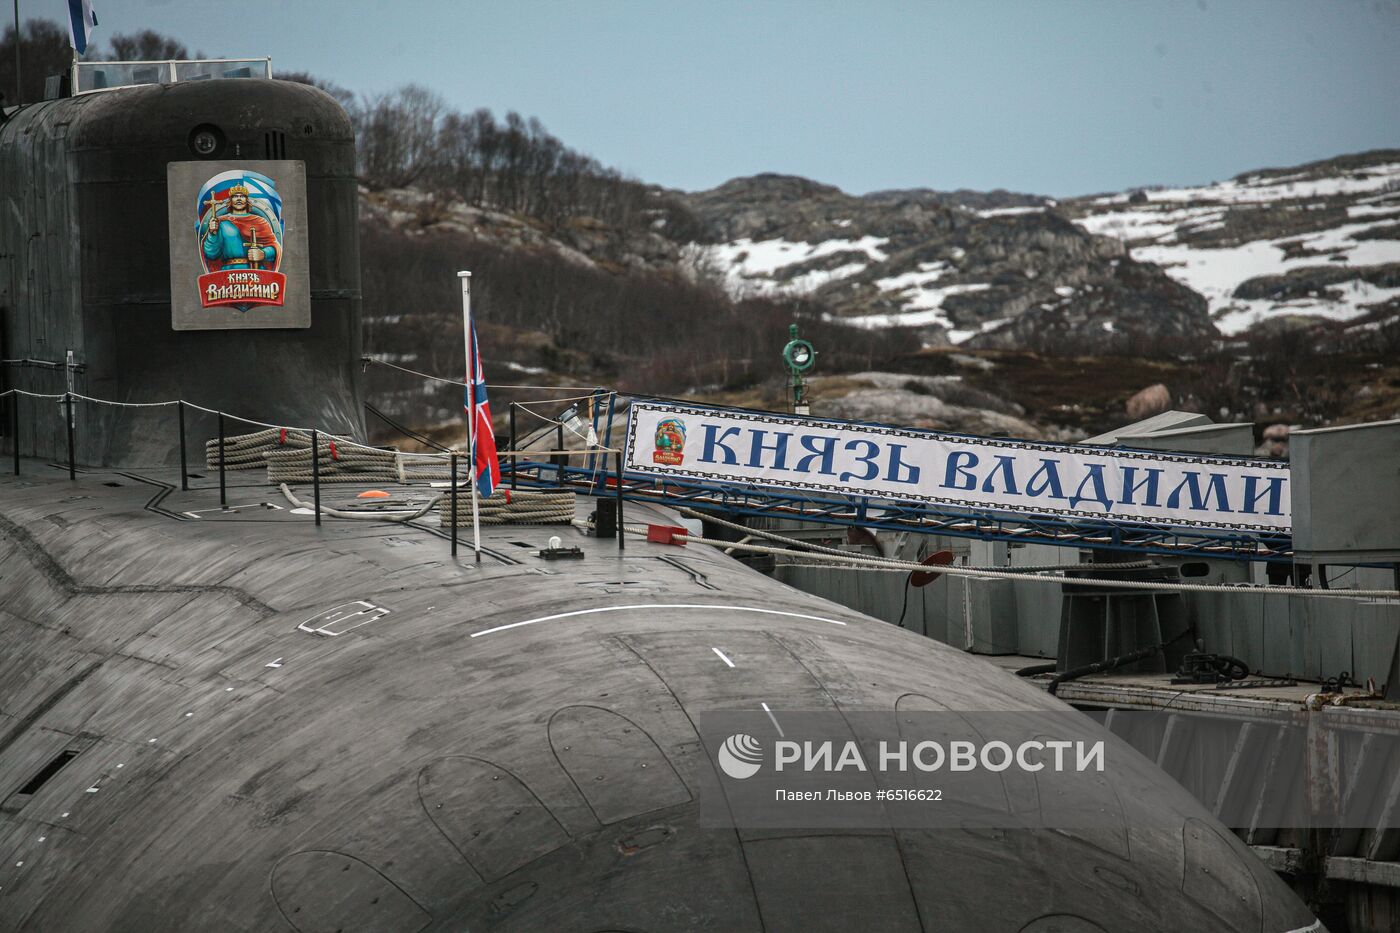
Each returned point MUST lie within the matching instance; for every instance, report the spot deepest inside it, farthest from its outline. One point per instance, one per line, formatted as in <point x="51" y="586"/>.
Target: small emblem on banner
<point x="670" y="442"/>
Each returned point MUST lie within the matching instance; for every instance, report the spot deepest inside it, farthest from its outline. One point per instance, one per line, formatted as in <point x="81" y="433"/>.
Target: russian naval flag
<point x="488" y="465"/>
<point x="81" y="19"/>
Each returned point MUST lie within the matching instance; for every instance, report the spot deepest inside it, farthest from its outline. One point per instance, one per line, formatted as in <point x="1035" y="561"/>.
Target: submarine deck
<point x="345" y="727"/>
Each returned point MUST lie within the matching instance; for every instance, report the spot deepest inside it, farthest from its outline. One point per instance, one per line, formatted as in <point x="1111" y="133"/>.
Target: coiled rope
<point x="286" y="453"/>
<point x="513" y="507"/>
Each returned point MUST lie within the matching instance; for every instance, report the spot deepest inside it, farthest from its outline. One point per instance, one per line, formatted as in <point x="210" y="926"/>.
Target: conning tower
<point x="101" y="197"/>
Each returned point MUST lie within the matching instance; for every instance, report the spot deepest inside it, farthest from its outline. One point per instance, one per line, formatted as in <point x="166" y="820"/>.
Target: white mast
<point x="466" y="279"/>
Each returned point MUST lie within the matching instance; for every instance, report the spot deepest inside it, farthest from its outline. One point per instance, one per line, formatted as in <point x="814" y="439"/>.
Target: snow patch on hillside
<point x="1134" y="225"/>
<point x="926" y="273"/>
<point x="753" y="267"/>
<point x="922" y="309"/>
<point x="1268" y="189"/>
<point x="1216" y="273"/>
<point x="1011" y="211"/>
<point x="1160" y="230"/>
<point x="1240" y="314"/>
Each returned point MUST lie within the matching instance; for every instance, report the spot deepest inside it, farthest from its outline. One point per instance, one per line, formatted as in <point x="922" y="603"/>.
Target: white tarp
<point x="750" y="448"/>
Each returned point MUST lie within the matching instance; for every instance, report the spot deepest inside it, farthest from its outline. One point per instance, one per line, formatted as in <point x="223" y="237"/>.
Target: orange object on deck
<point x="373" y="494"/>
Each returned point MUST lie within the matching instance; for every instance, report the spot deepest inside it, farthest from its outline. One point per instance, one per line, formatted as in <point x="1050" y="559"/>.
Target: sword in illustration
<point x="211" y="206"/>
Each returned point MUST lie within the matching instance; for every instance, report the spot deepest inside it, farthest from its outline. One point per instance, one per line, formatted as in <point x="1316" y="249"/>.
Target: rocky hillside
<point x="1271" y="297"/>
<point x="1135" y="271"/>
<point x="1014" y="276"/>
<point x="1273" y="248"/>
<point x="1130" y="271"/>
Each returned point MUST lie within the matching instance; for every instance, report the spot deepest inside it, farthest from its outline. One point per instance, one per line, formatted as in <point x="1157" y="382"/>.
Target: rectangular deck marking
<point x="343" y="618"/>
<point x="722" y="657"/>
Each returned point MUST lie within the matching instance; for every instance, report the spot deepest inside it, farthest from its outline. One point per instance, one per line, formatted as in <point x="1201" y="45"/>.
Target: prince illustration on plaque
<point x="240" y="234"/>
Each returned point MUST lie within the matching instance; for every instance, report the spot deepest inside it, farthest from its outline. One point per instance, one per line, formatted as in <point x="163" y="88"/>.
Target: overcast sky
<point x="1058" y="97"/>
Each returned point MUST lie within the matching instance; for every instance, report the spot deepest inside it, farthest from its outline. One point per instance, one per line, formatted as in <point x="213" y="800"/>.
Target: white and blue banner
<point x="750" y="448"/>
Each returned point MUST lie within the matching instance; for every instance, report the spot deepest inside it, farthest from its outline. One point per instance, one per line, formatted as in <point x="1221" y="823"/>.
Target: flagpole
<point x="19" y="75"/>
<point x="466" y="279"/>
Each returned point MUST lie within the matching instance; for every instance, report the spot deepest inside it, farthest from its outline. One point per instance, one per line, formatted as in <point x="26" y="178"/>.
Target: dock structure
<point x="1309" y="664"/>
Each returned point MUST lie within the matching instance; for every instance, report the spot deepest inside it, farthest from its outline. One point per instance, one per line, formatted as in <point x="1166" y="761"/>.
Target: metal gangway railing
<point x="586" y="455"/>
<point x="319" y="457"/>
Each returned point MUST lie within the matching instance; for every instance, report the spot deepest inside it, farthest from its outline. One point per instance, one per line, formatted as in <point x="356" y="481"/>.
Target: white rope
<point x="581" y="452"/>
<point x="100" y="401"/>
<point x="250" y="421"/>
<point x="343" y="441"/>
<point x="1027" y="531"/>
<point x="289" y="427"/>
<point x="489" y="385"/>
<point x="536" y="506"/>
<point x="385" y="516"/>
<point x="412" y="372"/>
<point x="523" y="407"/>
<point x="36" y="394"/>
<point x="567" y="398"/>
<point x="974" y="573"/>
<point x="125" y="404"/>
<point x="797" y="542"/>
<point x="842" y="557"/>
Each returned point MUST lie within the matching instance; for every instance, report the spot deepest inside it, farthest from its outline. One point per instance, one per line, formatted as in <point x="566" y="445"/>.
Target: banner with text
<point x="1064" y="481"/>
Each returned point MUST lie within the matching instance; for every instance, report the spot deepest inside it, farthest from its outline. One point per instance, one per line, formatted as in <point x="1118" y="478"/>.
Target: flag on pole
<point x="81" y="19"/>
<point x="487" y="464"/>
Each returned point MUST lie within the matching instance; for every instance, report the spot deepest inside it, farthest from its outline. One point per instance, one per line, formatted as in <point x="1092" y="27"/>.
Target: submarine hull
<point x="279" y="726"/>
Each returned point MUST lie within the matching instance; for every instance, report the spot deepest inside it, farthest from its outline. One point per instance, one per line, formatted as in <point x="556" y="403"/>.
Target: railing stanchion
<point x="184" y="463"/>
<point x="514" y="461"/>
<point x="223" y="483"/>
<point x="453" y="458"/>
<point x="621" y="531"/>
<point x="559" y="446"/>
<point x="316" y="474"/>
<point x="612" y="402"/>
<point x="68" y="411"/>
<point x="14" y="426"/>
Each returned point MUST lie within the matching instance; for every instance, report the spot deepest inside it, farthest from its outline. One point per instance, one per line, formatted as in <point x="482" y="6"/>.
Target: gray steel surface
<point x="1236" y="439"/>
<point x="235" y="771"/>
<point x="1346" y="492"/>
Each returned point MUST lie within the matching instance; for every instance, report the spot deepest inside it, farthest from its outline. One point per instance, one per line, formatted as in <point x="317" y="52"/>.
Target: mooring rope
<point x="797" y="542"/>
<point x="1019" y="576"/>
<point x="507" y="506"/>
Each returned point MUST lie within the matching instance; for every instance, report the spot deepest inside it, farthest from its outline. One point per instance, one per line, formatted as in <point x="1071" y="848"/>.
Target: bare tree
<point x="398" y="136"/>
<point x="147" y="46"/>
<point x="44" y="51"/>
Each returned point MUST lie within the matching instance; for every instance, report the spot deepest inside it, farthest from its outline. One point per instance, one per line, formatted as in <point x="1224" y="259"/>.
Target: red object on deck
<point x="666" y="534"/>
<point x="925" y="577"/>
